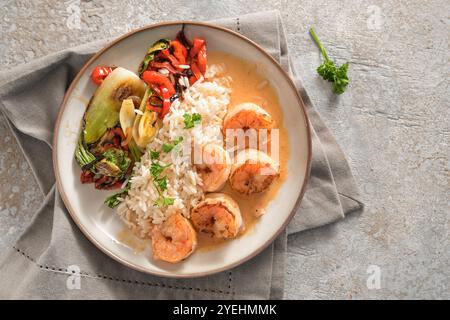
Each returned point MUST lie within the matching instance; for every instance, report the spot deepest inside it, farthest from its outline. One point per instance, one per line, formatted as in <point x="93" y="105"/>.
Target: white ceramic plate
<point x="101" y="224"/>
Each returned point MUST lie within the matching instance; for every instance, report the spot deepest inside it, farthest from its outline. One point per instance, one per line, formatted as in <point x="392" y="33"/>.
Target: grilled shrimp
<point x="219" y="215"/>
<point x="214" y="168"/>
<point x="253" y="172"/>
<point x="173" y="240"/>
<point x="248" y="116"/>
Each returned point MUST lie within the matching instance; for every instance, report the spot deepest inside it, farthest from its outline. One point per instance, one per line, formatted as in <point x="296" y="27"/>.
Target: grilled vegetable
<point x="134" y="150"/>
<point x="145" y="126"/>
<point x="99" y="74"/>
<point x="157" y="79"/>
<point x="82" y="155"/>
<point x="115" y="163"/>
<point x="179" y="51"/>
<point x="163" y="65"/>
<point x="127" y="115"/>
<point x="113" y="201"/>
<point x="151" y="52"/>
<point x="196" y="46"/>
<point x="103" y="109"/>
<point x="182" y="38"/>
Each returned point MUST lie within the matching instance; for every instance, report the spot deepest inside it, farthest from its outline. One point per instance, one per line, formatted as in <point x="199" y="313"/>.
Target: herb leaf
<point x="167" y="147"/>
<point x="191" y="120"/>
<point x="168" y="202"/>
<point x="164" y="202"/>
<point x="156" y="169"/>
<point x="113" y="200"/>
<point x="161" y="183"/>
<point x="154" y="154"/>
<point x="341" y="79"/>
<point x="329" y="71"/>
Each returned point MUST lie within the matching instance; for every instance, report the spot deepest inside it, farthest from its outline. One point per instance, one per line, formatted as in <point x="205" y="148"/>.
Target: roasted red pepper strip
<point x="192" y="80"/>
<point x="163" y="65"/>
<point x="179" y="51"/>
<point x="174" y="61"/>
<point x="201" y="59"/>
<point x="196" y="70"/>
<point x="166" y="102"/>
<point x="153" y="77"/>
<point x="196" y="46"/>
<point x="155" y="89"/>
<point x="99" y="74"/>
<point x="87" y="177"/>
<point x="100" y="181"/>
<point x="118" y="132"/>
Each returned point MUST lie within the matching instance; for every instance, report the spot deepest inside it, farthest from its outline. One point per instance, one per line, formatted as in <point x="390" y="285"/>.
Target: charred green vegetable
<point x="114" y="163"/>
<point x="103" y="109"/>
<point x="82" y="155"/>
<point x="113" y="201"/>
<point x="151" y="52"/>
<point x="135" y="151"/>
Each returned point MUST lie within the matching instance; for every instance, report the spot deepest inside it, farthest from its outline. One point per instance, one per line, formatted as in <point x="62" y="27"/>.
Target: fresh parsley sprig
<point x="329" y="71"/>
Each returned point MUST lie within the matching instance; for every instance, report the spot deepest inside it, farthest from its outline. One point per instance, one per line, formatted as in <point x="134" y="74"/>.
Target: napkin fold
<point x="52" y="256"/>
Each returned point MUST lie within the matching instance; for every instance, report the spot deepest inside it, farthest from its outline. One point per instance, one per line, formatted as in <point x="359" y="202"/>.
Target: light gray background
<point x="393" y="124"/>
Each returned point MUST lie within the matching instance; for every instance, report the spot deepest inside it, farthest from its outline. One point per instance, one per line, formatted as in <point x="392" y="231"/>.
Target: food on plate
<point x="160" y="137"/>
<point x="174" y="239"/>
<point x="145" y="125"/>
<point x="103" y="110"/>
<point x="248" y="116"/>
<point x="219" y="215"/>
<point x="253" y="172"/>
<point x="99" y="74"/>
<point x="214" y="167"/>
<point x="255" y="123"/>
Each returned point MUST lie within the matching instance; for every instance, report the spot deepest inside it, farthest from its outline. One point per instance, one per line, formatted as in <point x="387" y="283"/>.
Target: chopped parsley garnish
<point x="161" y="183"/>
<point x="154" y="154"/>
<point x="191" y="121"/>
<point x="164" y="202"/>
<point x="156" y="169"/>
<point x="167" y="147"/>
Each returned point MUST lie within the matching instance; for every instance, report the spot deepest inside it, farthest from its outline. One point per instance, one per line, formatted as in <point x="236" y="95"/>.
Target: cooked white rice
<point x="210" y="98"/>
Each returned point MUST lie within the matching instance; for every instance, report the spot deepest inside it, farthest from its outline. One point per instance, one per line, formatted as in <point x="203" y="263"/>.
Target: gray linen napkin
<point x="42" y="262"/>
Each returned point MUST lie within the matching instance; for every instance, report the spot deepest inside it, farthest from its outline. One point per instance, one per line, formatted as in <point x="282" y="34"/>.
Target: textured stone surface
<point x="393" y="124"/>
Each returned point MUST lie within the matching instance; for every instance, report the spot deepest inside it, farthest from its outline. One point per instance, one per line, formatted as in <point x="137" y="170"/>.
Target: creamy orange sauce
<point x="130" y="240"/>
<point x="250" y="85"/>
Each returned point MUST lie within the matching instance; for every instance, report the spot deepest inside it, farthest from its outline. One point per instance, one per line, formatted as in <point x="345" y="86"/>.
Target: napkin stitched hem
<point x="57" y="270"/>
